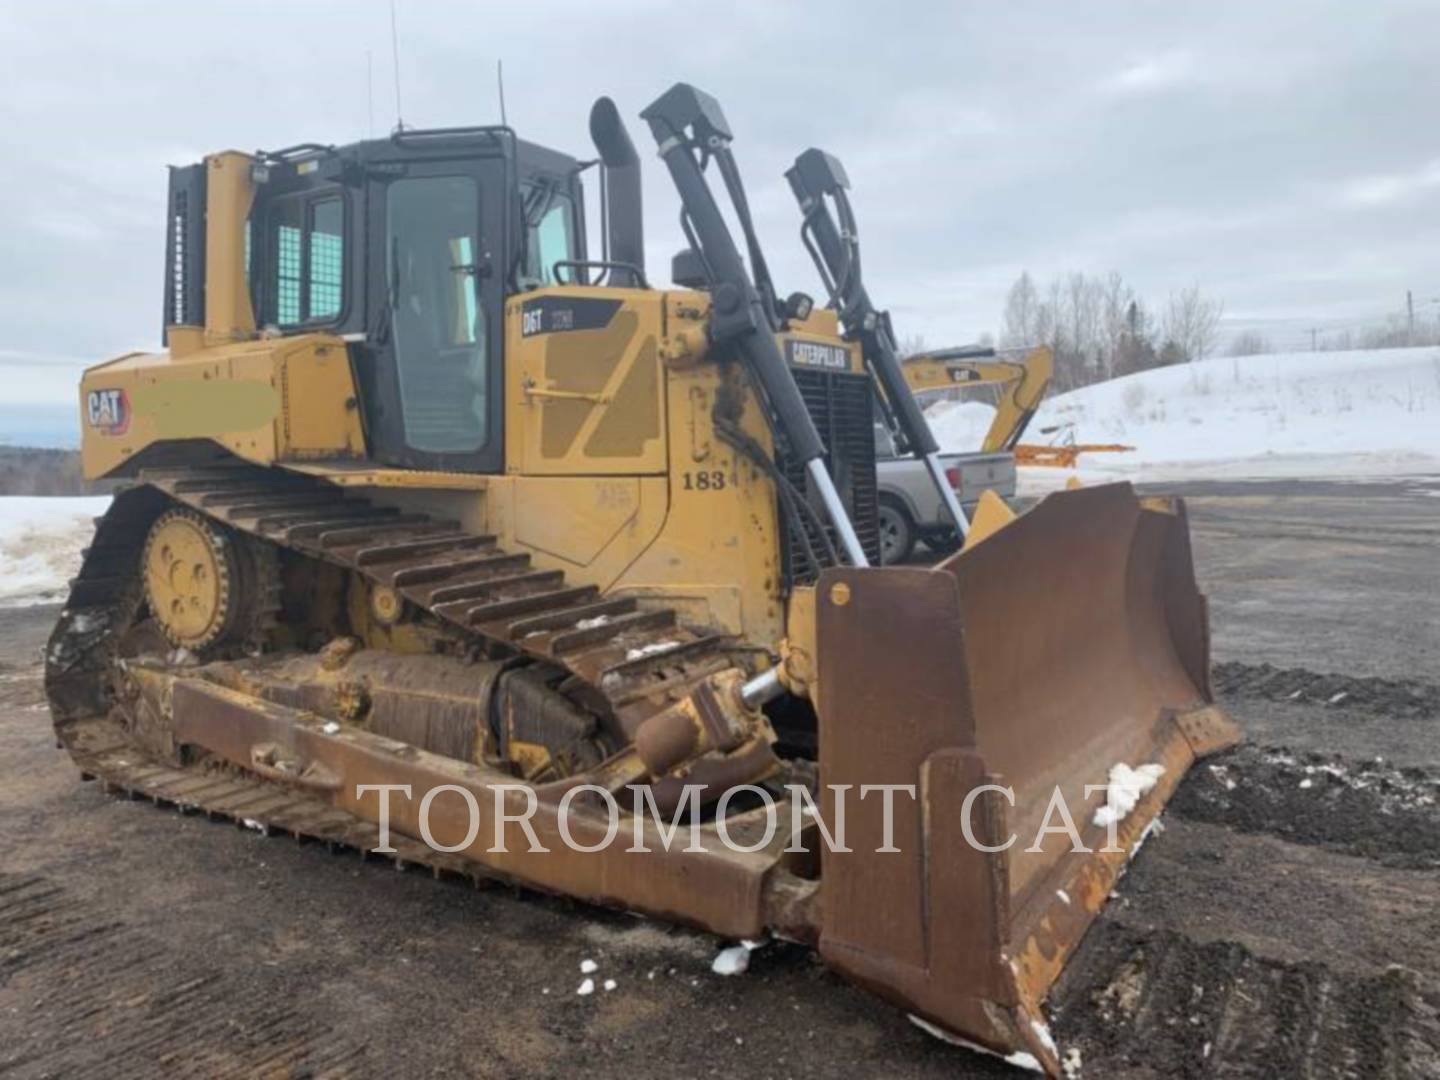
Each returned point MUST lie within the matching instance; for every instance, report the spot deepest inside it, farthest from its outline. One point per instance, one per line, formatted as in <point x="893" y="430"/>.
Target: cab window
<point x="550" y="233"/>
<point x="306" y="272"/>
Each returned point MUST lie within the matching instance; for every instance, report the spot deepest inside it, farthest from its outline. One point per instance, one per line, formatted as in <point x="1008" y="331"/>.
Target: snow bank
<point x="1359" y="413"/>
<point x="40" y="544"/>
<point x="960" y="426"/>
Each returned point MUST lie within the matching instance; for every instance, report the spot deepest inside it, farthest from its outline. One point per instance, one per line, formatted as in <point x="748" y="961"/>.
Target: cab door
<point x="433" y="385"/>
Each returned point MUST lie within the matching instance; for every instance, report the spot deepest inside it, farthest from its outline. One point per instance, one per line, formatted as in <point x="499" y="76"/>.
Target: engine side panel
<point x="268" y="401"/>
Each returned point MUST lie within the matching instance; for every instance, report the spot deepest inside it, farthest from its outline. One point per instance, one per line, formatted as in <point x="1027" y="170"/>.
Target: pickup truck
<point x="910" y="509"/>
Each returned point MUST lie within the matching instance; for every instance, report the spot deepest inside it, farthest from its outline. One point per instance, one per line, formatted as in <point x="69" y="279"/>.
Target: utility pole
<point x="1410" y="313"/>
<point x="1313" y="346"/>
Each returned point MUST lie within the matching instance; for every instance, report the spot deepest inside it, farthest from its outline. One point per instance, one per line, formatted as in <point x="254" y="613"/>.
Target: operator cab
<point x="408" y="247"/>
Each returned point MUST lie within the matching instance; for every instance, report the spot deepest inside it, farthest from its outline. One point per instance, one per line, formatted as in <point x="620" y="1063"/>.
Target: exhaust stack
<point x="624" y="224"/>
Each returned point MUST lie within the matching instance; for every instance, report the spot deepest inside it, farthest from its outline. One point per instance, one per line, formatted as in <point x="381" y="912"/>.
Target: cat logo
<point x="108" y="411"/>
<point x="817" y="355"/>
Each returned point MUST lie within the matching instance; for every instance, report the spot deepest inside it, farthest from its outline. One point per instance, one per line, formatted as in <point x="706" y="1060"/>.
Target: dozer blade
<point x="1069" y="641"/>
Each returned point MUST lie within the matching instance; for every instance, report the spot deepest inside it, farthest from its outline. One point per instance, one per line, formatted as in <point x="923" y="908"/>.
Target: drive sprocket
<point x="202" y="580"/>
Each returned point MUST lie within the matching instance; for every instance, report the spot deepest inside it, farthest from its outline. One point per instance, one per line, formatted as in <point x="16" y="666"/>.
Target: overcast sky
<point x="1286" y="156"/>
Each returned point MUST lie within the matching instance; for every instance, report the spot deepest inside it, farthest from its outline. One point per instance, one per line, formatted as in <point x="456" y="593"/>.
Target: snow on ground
<point x="40" y="544"/>
<point x="1325" y="414"/>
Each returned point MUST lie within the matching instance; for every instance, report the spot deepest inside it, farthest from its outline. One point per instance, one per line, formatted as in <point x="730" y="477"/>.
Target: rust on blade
<point x="1069" y="641"/>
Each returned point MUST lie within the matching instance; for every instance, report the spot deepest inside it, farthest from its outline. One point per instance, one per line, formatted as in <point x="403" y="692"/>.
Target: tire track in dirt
<point x="1404" y="699"/>
<point x="1371" y="809"/>
<point x="1146" y="1002"/>
<point x="129" y="1007"/>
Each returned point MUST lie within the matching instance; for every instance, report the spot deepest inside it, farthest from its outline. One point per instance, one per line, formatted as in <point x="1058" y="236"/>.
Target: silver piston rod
<point x="947" y="493"/>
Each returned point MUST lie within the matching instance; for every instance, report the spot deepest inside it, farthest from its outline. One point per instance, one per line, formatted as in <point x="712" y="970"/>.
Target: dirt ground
<point x="1285" y="923"/>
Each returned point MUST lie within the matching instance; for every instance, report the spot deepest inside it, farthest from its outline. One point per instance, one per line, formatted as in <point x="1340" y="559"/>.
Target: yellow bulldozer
<point x="434" y="523"/>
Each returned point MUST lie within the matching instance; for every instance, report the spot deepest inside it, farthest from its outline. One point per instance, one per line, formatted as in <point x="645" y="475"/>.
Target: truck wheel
<point x="943" y="543"/>
<point x="897" y="533"/>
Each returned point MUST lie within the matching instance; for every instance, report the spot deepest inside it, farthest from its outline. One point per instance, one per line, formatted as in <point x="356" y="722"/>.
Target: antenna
<point x="500" y="81"/>
<point x="369" y="95"/>
<point x="395" y="54"/>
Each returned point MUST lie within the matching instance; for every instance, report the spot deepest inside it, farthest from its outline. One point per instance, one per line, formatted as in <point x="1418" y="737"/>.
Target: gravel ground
<point x="1286" y="922"/>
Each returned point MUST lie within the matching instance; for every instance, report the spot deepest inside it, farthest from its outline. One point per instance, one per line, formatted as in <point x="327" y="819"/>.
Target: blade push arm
<point x="835" y="247"/>
<point x="690" y="129"/>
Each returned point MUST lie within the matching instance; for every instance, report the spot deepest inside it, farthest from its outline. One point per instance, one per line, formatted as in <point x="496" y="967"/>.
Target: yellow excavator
<point x="1020" y="381"/>
<point x="431" y="513"/>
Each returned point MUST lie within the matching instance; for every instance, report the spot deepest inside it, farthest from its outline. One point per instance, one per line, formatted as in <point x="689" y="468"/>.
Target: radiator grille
<point x="842" y="407"/>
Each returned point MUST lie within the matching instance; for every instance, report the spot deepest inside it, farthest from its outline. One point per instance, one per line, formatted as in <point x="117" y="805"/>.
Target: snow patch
<point x="610" y="984"/>
<point x="590" y="624"/>
<point x="41" y="540"/>
<point x="1020" y="1059"/>
<point x="1222" y="775"/>
<point x="736" y="959"/>
<point x="1042" y="1032"/>
<point x="653" y="649"/>
<point x="1155" y="828"/>
<point x="586" y="988"/>
<point x="732" y="961"/>
<point x="330" y="727"/>
<point x="1125" y="789"/>
<point x="588" y="967"/>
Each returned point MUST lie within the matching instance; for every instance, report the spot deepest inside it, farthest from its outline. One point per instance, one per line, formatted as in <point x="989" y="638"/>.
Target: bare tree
<point x="1098" y="327"/>
<point x="1022" y="306"/>
<point x="1250" y="343"/>
<point x="1116" y="303"/>
<point x="1192" y="322"/>
<point x="1082" y="303"/>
